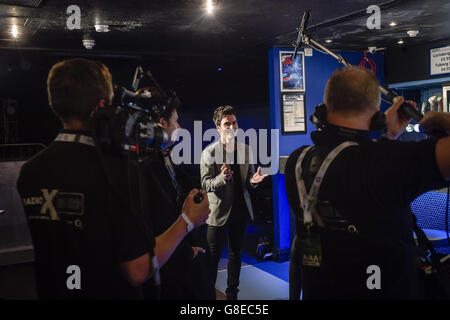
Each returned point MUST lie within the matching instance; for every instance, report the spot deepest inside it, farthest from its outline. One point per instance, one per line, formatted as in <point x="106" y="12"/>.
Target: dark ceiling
<point x="237" y="27"/>
<point x="209" y="60"/>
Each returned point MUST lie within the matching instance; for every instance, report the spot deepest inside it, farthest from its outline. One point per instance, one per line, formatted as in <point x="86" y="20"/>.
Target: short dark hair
<point x="352" y="91"/>
<point x="168" y="111"/>
<point x="222" y="111"/>
<point x="76" y="86"/>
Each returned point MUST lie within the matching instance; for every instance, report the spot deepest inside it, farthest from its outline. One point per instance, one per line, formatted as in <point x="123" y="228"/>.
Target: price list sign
<point x="440" y="60"/>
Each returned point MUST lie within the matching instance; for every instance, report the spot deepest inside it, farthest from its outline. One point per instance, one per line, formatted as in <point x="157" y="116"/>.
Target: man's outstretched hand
<point x="257" y="177"/>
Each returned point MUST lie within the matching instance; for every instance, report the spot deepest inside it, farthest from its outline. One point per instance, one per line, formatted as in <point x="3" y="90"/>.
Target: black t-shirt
<point x="372" y="184"/>
<point x="239" y="208"/>
<point x="76" y="219"/>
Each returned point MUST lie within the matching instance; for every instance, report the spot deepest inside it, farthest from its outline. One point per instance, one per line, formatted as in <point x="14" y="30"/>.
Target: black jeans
<point x="295" y="270"/>
<point x="233" y="230"/>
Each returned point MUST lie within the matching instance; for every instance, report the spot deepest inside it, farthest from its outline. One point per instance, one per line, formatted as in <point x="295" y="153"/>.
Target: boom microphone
<point x="301" y="31"/>
<point x="302" y="38"/>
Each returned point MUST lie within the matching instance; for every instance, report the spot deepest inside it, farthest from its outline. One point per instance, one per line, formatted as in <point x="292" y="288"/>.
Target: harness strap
<point x="308" y="201"/>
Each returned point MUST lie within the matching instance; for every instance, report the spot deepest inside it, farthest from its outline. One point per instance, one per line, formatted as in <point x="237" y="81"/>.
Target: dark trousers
<point x="233" y="231"/>
<point x="295" y="270"/>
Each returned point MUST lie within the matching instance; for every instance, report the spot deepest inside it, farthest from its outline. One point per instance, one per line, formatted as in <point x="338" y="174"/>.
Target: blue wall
<point x="318" y="69"/>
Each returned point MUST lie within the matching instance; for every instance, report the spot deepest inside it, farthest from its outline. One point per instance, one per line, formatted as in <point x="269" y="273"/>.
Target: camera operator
<point x="88" y="244"/>
<point x="361" y="219"/>
<point x="185" y="275"/>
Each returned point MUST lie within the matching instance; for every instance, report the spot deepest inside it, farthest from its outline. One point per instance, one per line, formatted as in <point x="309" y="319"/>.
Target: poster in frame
<point x="292" y="72"/>
<point x="293" y="113"/>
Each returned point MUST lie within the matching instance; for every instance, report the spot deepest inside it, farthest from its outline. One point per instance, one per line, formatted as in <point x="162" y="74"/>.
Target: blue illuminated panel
<point x="429" y="209"/>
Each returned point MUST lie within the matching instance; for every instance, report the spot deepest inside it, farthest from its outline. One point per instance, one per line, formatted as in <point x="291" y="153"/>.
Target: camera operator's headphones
<point x="319" y="119"/>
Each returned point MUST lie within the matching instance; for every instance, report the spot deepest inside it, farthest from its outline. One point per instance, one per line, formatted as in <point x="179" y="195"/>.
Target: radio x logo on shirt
<point x="48" y="204"/>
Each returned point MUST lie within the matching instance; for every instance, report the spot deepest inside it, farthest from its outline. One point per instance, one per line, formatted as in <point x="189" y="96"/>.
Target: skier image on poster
<point x="291" y="72"/>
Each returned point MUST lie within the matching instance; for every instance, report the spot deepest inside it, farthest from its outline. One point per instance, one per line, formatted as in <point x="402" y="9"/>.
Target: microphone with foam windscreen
<point x="301" y="31"/>
<point x="304" y="39"/>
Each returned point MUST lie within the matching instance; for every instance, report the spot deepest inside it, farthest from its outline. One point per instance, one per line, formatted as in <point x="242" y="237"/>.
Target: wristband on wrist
<point x="189" y="224"/>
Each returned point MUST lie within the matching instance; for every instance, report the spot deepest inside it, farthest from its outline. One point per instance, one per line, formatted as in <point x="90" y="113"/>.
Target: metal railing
<point x="20" y="151"/>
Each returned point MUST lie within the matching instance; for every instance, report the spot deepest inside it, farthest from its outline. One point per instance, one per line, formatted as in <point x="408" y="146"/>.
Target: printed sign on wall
<point x="440" y="60"/>
<point x="293" y="111"/>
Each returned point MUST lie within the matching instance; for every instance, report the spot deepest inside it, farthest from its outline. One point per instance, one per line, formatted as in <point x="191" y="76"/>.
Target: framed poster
<point x="293" y="113"/>
<point x="292" y="72"/>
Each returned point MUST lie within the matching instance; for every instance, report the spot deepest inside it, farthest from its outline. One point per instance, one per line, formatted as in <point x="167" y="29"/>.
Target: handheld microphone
<point x="301" y="31"/>
<point x="198" y="197"/>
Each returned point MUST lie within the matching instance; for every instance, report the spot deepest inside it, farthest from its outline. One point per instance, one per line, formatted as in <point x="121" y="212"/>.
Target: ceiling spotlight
<point x="14" y="31"/>
<point x="392" y="24"/>
<point x="401" y="42"/>
<point x="328" y="41"/>
<point x="372" y="49"/>
<point x="88" y="41"/>
<point x="209" y="6"/>
<point x="102" y="28"/>
<point x="412" y="33"/>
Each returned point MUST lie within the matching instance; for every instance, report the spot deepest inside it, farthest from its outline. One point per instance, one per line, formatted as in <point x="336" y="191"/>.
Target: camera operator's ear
<point x="102" y="103"/>
<point x="177" y="101"/>
<point x="378" y="121"/>
<point x="174" y="98"/>
<point x="163" y="122"/>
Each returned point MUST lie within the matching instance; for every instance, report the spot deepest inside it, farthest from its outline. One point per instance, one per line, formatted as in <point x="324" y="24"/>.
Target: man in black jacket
<point x="360" y="219"/>
<point x="88" y="241"/>
<point x="185" y="275"/>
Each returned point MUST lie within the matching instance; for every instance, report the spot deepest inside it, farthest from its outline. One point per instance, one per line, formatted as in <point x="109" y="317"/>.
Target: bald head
<point x="352" y="91"/>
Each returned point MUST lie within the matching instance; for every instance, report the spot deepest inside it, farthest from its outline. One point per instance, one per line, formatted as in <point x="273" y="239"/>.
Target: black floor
<point x="17" y="281"/>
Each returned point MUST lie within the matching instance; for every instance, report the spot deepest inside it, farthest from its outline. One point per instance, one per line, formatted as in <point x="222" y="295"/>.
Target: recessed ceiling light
<point x="392" y="24"/>
<point x="412" y="33"/>
<point x="88" y="41"/>
<point x="401" y="42"/>
<point x="14" y="31"/>
<point x="102" y="28"/>
<point x="328" y="41"/>
<point x="209" y="6"/>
